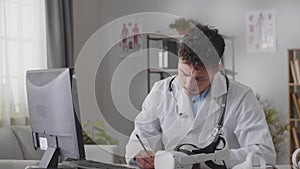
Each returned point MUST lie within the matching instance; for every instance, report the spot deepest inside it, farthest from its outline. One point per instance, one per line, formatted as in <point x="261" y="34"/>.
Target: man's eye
<point x="199" y="78"/>
<point x="184" y="74"/>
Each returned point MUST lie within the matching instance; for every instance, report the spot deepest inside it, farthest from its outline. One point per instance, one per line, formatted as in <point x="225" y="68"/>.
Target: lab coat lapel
<point x="208" y="107"/>
<point x="218" y="89"/>
<point x="184" y="121"/>
<point x="212" y="102"/>
<point x="184" y="105"/>
<point x="183" y="102"/>
<point x="218" y="85"/>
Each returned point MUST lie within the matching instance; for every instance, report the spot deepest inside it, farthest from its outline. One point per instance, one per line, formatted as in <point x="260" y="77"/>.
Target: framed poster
<point x="260" y="31"/>
<point x="129" y="32"/>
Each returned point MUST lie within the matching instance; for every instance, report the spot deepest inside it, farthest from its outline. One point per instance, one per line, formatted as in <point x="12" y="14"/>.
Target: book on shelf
<point x="296" y="104"/>
<point x="297" y="68"/>
<point x="295" y="137"/>
<point x="299" y="103"/>
<point x="294" y="72"/>
<point x="293" y="110"/>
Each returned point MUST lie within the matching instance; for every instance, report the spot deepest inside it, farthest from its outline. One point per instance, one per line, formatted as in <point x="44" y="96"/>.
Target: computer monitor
<point x="54" y="122"/>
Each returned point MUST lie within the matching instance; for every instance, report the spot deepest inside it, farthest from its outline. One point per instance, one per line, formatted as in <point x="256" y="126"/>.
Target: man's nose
<point x="191" y="83"/>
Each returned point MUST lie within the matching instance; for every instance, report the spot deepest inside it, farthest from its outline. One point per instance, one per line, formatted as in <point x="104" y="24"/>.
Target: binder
<point x="295" y="136"/>
<point x="295" y="101"/>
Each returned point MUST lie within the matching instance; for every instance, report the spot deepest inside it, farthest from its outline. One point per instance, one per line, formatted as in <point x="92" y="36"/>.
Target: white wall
<point x="265" y="73"/>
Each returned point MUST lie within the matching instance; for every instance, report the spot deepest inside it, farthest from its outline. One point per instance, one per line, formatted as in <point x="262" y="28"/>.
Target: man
<point x="186" y="108"/>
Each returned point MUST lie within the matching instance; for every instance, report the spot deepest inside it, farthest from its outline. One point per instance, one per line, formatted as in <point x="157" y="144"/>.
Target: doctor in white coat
<point x="185" y="108"/>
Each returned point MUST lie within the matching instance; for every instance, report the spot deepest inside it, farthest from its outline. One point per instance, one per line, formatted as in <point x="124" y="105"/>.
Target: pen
<point x="138" y="137"/>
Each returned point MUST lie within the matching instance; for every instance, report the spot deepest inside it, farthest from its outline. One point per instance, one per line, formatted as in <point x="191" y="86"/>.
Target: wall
<point x="265" y="73"/>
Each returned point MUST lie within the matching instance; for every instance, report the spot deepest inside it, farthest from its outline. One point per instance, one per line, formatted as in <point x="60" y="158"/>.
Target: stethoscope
<point x="216" y="134"/>
<point x="219" y="125"/>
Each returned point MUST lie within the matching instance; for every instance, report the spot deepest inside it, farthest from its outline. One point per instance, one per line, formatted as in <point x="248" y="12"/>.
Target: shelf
<point x="294" y="84"/>
<point x="165" y="39"/>
<point x="294" y="98"/>
<point x="162" y="70"/>
<point x="294" y="49"/>
<point x="161" y="37"/>
<point x="228" y="37"/>
<point x="158" y="36"/>
<point x="230" y="72"/>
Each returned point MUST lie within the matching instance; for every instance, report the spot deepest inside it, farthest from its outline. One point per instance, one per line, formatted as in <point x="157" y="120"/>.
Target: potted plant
<point x="182" y="25"/>
<point x="95" y="134"/>
<point x="98" y="144"/>
<point x="276" y="125"/>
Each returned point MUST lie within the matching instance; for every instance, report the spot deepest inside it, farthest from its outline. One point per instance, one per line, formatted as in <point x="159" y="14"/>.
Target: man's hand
<point x="144" y="161"/>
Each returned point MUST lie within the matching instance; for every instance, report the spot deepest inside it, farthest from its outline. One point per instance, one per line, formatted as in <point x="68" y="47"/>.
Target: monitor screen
<point x="54" y="121"/>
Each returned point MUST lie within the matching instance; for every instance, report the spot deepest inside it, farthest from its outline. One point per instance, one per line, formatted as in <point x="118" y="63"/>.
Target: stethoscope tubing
<point x="223" y="105"/>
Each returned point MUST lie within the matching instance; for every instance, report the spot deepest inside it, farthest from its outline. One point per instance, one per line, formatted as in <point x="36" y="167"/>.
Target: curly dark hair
<point x="201" y="45"/>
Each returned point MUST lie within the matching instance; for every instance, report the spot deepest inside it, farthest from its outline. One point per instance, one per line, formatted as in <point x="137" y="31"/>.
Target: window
<point x="22" y="47"/>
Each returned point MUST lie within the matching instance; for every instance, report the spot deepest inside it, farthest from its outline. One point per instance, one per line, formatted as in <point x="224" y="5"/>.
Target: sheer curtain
<point x="22" y="47"/>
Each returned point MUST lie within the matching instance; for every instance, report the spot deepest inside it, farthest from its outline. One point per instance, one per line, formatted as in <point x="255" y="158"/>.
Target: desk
<point x="63" y="166"/>
<point x="285" y="166"/>
<point x="282" y="166"/>
<point x="278" y="167"/>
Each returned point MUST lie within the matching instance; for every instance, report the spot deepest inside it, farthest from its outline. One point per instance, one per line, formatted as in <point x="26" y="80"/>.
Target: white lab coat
<point x="168" y="116"/>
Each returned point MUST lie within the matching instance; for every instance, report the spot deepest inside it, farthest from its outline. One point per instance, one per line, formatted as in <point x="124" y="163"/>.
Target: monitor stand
<point x="50" y="161"/>
<point x="59" y="167"/>
<point x="50" y="158"/>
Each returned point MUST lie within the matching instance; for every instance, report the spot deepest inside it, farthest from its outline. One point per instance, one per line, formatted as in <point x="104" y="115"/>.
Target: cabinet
<point x="162" y="49"/>
<point x="162" y="57"/>
<point x="294" y="99"/>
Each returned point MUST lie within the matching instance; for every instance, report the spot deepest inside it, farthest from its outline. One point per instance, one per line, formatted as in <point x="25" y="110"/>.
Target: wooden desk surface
<point x="284" y="166"/>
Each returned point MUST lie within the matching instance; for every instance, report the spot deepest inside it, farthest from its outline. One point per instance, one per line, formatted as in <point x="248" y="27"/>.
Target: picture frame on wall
<point x="260" y="31"/>
<point x="129" y="32"/>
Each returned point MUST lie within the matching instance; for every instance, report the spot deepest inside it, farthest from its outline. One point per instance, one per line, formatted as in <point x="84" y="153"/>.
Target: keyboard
<point x="90" y="164"/>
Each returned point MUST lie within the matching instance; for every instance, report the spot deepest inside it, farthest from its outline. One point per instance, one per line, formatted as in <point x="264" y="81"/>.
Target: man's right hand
<point x="144" y="161"/>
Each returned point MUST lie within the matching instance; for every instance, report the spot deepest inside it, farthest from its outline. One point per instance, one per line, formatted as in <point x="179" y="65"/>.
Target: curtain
<point x="59" y="30"/>
<point x="22" y="47"/>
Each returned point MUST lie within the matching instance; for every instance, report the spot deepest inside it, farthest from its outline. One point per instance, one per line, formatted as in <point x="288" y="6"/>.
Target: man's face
<point x="194" y="81"/>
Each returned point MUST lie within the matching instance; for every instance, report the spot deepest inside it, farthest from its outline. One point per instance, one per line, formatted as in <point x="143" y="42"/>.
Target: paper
<point x="43" y="143"/>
